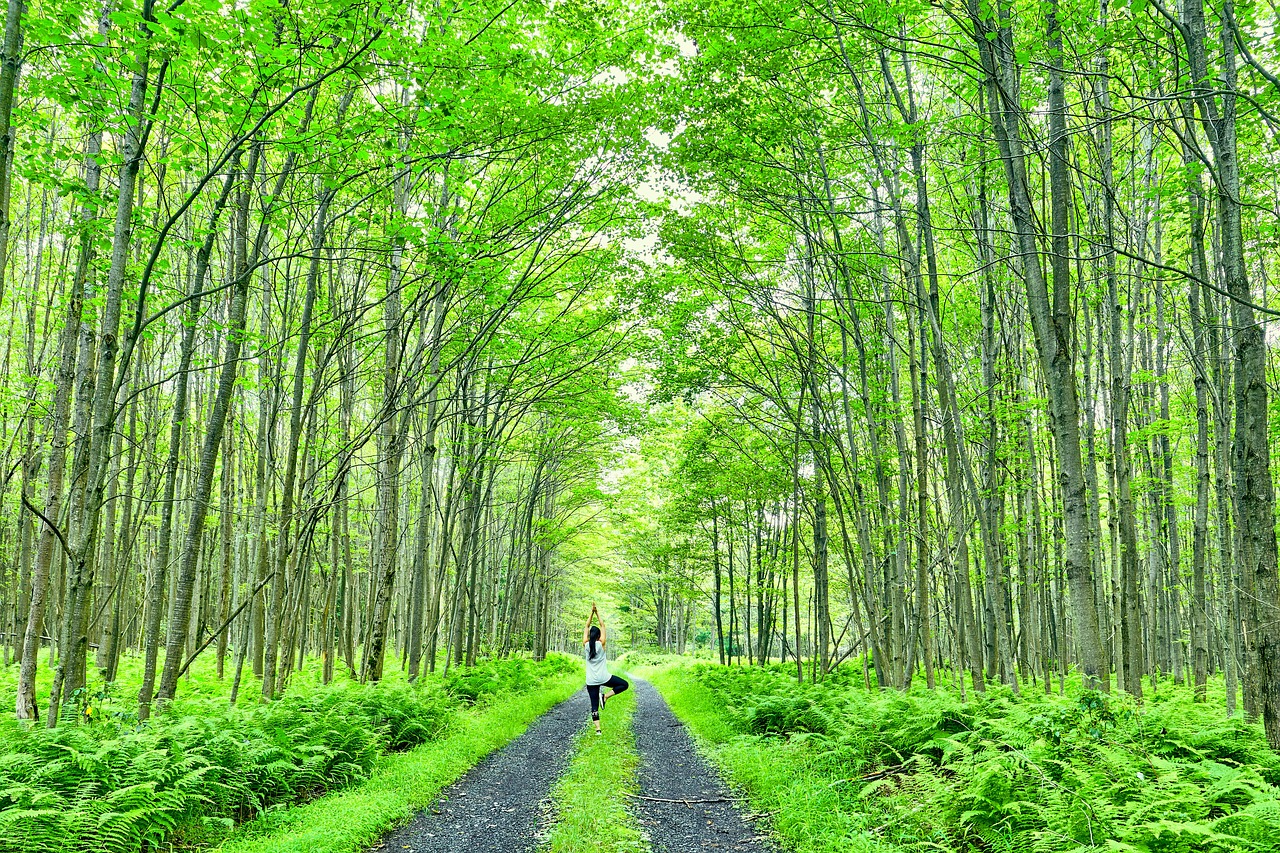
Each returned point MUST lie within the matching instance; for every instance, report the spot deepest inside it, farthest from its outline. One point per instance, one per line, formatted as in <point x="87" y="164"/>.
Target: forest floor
<point x="325" y="769"/>
<point x="837" y="766"/>
<point x="503" y="805"/>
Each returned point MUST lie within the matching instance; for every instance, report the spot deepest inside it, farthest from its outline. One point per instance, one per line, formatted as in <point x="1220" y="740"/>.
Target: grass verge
<point x="592" y="807"/>
<point x="401" y="784"/>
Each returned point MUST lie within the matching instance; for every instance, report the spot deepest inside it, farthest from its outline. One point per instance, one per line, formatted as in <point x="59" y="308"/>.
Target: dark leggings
<point x="593" y="690"/>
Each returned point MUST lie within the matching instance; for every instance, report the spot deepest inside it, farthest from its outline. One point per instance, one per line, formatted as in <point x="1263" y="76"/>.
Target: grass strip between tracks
<point x="592" y="800"/>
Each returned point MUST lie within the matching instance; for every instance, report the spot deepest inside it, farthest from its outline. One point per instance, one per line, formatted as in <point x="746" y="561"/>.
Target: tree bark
<point x="179" y="615"/>
<point x="10" y="66"/>
<point x="177" y="428"/>
<point x="1050" y="312"/>
<point x="58" y="440"/>
<point x="1254" y="496"/>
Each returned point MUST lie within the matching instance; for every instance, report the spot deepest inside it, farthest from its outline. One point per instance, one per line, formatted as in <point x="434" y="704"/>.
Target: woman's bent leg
<point x="617" y="684"/>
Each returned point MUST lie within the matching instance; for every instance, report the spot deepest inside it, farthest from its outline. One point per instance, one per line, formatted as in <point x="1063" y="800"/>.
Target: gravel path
<point x="671" y="769"/>
<point x="501" y="804"/>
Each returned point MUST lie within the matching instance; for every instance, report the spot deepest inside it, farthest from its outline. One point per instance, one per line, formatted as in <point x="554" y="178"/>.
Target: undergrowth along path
<point x="499" y="806"/>
<point x="683" y="805"/>
<point x="351" y="820"/>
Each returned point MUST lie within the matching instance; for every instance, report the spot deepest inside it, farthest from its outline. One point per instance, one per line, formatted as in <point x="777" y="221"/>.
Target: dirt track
<point x="671" y="769"/>
<point x="502" y="804"/>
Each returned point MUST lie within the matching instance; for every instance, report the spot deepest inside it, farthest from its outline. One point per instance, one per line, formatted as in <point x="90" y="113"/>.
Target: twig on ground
<point x="882" y="773"/>
<point x="683" y="802"/>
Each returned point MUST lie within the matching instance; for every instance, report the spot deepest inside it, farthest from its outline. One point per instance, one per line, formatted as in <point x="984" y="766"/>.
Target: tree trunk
<point x="58" y="439"/>
<point x="10" y="65"/>
<point x="1050" y="312"/>
<point x="1200" y="378"/>
<point x="105" y="404"/>
<point x="1254" y="495"/>
<point x="715" y="567"/>
<point x="390" y="446"/>
<point x="159" y="571"/>
<point x="179" y="615"/>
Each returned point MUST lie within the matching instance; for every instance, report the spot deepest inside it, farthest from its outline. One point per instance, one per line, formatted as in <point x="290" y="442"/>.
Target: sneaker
<point x="599" y="732"/>
<point x="604" y="700"/>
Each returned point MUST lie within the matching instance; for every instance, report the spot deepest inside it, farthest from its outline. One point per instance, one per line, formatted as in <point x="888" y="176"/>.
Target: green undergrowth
<point x="505" y="676"/>
<point x="636" y="658"/>
<point x="842" y="768"/>
<point x="101" y="782"/>
<point x="118" y="699"/>
<point x="592" y="799"/>
<point x="402" y="784"/>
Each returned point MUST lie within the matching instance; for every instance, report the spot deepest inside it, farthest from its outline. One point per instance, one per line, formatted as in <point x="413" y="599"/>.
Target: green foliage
<point x="505" y="676"/>
<point x="786" y="715"/>
<point x="633" y="659"/>
<point x="848" y="768"/>
<point x="194" y="772"/>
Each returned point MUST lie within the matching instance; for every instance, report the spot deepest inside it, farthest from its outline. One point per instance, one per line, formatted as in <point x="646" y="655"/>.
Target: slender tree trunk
<point x="390" y="446"/>
<point x="1050" y="312"/>
<point x="795" y="545"/>
<point x="10" y="65"/>
<point x="716" y="595"/>
<point x="1254" y="496"/>
<point x="1200" y="378"/>
<point x="226" y="513"/>
<point x="179" y="616"/>
<point x="159" y="571"/>
<point x="58" y="440"/>
<point x="105" y="404"/>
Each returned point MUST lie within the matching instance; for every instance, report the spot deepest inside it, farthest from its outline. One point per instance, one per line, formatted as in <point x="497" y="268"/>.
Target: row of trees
<point x="970" y="301"/>
<point x="318" y="319"/>
<point x="310" y="349"/>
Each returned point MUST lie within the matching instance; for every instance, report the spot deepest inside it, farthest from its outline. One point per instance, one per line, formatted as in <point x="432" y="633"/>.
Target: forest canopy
<point x="929" y="339"/>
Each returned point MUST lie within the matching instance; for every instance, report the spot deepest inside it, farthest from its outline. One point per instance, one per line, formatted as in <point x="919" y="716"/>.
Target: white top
<point x="598" y="666"/>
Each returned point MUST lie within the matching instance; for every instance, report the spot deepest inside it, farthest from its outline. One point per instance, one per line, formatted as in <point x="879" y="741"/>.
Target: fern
<point x="190" y="773"/>
<point x="1048" y="774"/>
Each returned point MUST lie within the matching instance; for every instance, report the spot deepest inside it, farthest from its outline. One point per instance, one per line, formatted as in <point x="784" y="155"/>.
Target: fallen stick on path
<point x="684" y="802"/>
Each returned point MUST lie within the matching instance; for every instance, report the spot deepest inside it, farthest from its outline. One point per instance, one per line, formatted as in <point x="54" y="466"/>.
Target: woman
<point x="593" y="640"/>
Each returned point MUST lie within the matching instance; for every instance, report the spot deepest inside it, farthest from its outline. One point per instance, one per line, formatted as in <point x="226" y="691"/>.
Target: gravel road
<point x="671" y="769"/>
<point x="501" y="804"/>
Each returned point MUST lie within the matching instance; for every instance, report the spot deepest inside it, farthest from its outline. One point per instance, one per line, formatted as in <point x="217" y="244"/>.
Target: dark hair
<point x="594" y="634"/>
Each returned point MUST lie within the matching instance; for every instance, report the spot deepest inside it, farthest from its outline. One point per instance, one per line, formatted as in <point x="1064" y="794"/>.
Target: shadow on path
<point x="499" y="805"/>
<point x="672" y="769"/>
